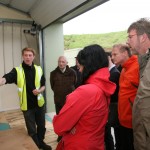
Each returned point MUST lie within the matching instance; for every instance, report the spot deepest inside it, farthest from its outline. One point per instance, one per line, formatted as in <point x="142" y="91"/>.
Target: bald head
<point x="62" y="62"/>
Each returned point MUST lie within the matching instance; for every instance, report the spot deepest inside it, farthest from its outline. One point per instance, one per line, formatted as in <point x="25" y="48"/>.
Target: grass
<point x="105" y="40"/>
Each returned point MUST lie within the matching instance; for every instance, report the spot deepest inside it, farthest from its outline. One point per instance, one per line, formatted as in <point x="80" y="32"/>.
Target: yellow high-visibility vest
<point x="21" y="83"/>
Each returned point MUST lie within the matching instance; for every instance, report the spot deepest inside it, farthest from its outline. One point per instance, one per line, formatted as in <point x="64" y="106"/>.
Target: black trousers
<point x="58" y="107"/>
<point x="126" y="138"/>
<point x="35" y="123"/>
<point x="117" y="137"/>
<point x="109" y="142"/>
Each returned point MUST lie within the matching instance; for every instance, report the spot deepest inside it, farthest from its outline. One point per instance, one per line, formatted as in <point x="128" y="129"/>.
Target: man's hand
<point x="36" y="92"/>
<point x="2" y="81"/>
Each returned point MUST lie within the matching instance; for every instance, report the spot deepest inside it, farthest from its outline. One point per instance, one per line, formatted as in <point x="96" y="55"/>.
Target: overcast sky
<point x="112" y="16"/>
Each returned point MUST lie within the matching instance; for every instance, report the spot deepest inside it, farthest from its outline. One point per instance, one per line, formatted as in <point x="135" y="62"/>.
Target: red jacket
<point x="129" y="81"/>
<point x="82" y="120"/>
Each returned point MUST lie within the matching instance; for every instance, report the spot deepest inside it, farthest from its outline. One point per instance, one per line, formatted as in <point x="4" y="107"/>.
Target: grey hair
<point x="141" y="26"/>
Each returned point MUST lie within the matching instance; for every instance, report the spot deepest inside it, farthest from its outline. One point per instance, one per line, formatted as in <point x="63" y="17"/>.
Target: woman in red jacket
<point x="82" y="120"/>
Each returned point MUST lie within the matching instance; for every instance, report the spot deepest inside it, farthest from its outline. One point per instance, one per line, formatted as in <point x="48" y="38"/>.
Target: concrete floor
<point x="14" y="120"/>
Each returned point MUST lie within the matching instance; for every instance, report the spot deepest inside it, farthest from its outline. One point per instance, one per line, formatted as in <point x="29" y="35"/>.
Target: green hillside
<point x="105" y="40"/>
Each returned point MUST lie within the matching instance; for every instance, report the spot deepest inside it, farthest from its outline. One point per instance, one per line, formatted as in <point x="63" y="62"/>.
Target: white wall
<point x="53" y="48"/>
<point x="8" y="13"/>
<point x="47" y="11"/>
<point x="12" y="41"/>
<point x="71" y="54"/>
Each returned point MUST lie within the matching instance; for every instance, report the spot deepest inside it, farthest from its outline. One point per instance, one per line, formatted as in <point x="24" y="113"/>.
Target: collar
<point x="25" y="66"/>
<point x="63" y="70"/>
<point x="112" y="66"/>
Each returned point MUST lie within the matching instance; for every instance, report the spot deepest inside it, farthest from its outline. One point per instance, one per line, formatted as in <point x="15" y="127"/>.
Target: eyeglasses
<point x="130" y="36"/>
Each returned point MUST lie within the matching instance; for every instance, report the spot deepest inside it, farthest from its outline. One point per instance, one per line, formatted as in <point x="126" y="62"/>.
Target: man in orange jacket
<point x="128" y="84"/>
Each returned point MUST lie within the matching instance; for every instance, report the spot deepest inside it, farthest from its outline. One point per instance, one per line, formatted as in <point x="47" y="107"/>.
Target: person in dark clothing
<point x="113" y="120"/>
<point x="78" y="73"/>
<point x="30" y="81"/>
<point x="62" y="81"/>
<point x="119" y="68"/>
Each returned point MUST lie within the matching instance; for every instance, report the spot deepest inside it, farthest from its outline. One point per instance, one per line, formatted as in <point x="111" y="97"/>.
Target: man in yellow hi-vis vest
<point x="30" y="81"/>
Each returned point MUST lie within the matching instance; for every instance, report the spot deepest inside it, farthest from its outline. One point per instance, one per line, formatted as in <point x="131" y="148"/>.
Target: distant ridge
<point x="106" y="40"/>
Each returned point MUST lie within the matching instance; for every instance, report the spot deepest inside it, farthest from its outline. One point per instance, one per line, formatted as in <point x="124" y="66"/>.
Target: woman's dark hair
<point x="92" y="57"/>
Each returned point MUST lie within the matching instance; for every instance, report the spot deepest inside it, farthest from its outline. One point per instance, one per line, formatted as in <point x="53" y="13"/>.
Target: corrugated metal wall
<point x="12" y="41"/>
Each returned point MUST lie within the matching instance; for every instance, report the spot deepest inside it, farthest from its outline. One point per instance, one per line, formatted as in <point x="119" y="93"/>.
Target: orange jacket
<point x="128" y="82"/>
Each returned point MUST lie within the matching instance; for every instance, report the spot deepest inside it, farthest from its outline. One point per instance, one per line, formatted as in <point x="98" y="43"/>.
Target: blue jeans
<point x="35" y="123"/>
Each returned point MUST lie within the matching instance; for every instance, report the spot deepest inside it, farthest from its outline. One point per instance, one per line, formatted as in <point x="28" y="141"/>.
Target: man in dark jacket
<point x="62" y="81"/>
<point x="113" y="120"/>
<point x="78" y="73"/>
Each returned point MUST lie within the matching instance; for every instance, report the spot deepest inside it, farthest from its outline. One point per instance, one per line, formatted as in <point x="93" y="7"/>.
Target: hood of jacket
<point x="101" y="79"/>
<point x="130" y="61"/>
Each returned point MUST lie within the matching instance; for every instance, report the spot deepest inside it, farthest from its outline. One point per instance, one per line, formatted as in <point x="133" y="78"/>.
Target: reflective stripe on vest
<point x="21" y="83"/>
<point x="39" y="72"/>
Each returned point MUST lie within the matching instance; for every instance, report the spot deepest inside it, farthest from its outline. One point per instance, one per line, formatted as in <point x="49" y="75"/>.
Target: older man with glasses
<point x="139" y="42"/>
